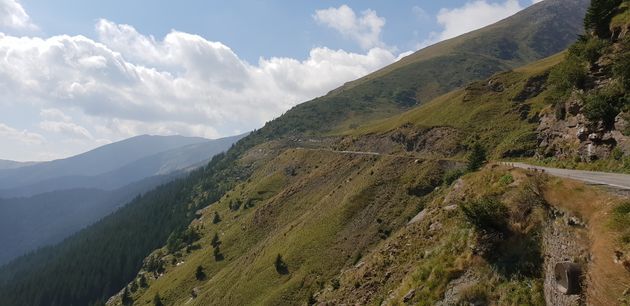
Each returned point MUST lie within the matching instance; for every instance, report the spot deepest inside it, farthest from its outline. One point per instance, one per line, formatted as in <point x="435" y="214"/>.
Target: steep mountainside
<point x="534" y="33"/>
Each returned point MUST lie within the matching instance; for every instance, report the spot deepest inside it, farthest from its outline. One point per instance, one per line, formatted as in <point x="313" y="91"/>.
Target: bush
<point x="506" y="179"/>
<point x="621" y="69"/>
<point x="602" y="106"/>
<point x="486" y="214"/>
<point x="616" y="154"/>
<point x="569" y="74"/>
<point x="588" y="49"/>
<point x="452" y="175"/>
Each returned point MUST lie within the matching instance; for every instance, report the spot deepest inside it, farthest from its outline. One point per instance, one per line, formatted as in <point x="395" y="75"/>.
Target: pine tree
<point x="143" y="281"/>
<point x="126" y="298"/>
<point x="216" y="218"/>
<point x="215" y="241"/>
<point x="199" y="274"/>
<point x="476" y="158"/>
<point x="157" y="300"/>
<point x="598" y="16"/>
<point x="281" y="266"/>
<point x="217" y="254"/>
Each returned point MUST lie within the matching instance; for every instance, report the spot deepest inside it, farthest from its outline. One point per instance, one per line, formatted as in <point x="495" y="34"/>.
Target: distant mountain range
<point x="9" y="164"/>
<point x="42" y="203"/>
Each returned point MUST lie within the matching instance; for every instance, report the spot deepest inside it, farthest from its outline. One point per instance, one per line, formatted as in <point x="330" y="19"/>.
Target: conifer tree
<point x="598" y="16"/>
<point x="476" y="158"/>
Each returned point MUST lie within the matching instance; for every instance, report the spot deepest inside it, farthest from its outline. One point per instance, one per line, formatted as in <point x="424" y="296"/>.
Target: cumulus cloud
<point x="365" y="30"/>
<point x="13" y="16"/>
<point x="9" y="134"/>
<point x="67" y="128"/>
<point x="125" y="83"/>
<point x="471" y="16"/>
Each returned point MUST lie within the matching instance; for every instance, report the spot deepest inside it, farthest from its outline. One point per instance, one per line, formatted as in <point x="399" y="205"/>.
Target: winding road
<point x="615" y="180"/>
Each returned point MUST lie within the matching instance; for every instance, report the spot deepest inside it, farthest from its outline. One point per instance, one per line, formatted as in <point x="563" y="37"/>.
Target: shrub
<point x="476" y="158"/>
<point x="335" y="284"/>
<point x="569" y="74"/>
<point x="588" y="49"/>
<point x="621" y="216"/>
<point x="486" y="214"/>
<point x="621" y="69"/>
<point x="602" y="106"/>
<point x="452" y="175"/>
<point x="616" y="154"/>
<point x="506" y="179"/>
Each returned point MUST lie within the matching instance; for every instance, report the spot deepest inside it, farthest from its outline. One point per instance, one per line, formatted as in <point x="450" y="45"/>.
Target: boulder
<point x="568" y="277"/>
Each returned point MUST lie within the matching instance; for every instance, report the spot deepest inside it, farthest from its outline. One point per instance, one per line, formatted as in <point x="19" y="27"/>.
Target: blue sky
<point x="80" y="74"/>
<point x="251" y="28"/>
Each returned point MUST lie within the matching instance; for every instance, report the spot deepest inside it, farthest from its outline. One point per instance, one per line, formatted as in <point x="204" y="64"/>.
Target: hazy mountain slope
<point x="27" y="224"/>
<point x="181" y="157"/>
<point x="98" y="161"/>
<point x="57" y="208"/>
<point x="9" y="164"/>
<point x="534" y="33"/>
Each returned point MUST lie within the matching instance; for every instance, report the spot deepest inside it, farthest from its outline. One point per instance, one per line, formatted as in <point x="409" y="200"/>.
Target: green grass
<point x="480" y="113"/>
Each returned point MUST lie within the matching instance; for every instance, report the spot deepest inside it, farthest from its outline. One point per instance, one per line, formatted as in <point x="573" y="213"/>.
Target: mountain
<point x="539" y="31"/>
<point x="98" y="161"/>
<point x="46" y="212"/>
<point x="394" y="211"/>
<point x="9" y="164"/>
<point x="358" y="197"/>
<point x="134" y="159"/>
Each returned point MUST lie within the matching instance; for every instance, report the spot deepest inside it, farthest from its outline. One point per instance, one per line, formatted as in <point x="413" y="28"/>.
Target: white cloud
<point x="365" y="30"/>
<point x="13" y="16"/>
<point x="421" y="14"/>
<point x="9" y="135"/>
<point x="471" y="16"/>
<point x="67" y="128"/>
<point x="126" y="83"/>
<point x="536" y="1"/>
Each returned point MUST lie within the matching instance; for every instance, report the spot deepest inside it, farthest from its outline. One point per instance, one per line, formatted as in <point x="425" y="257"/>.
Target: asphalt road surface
<point x="616" y="180"/>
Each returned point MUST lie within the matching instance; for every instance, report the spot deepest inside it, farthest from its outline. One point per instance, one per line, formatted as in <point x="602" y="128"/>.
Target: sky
<point x="76" y="74"/>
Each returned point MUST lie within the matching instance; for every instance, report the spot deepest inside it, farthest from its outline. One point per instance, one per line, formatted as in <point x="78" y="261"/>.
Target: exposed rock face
<point x="444" y="141"/>
<point x="565" y="133"/>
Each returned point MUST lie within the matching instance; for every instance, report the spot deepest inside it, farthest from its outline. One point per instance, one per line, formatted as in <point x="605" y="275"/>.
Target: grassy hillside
<point x="340" y="225"/>
<point x="534" y="33"/>
<point x="500" y="113"/>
